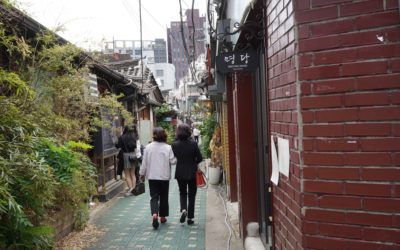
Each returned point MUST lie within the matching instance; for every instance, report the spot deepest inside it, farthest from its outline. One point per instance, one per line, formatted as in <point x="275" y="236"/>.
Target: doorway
<point x="262" y="151"/>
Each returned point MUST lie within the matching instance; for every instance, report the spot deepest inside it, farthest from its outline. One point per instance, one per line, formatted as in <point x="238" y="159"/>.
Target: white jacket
<point x="157" y="160"/>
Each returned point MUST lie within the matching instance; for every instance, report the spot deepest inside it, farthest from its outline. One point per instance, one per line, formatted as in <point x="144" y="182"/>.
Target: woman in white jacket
<point x="156" y="168"/>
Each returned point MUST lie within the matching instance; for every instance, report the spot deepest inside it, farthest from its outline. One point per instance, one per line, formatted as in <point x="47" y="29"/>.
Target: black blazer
<point x="127" y="143"/>
<point x="188" y="155"/>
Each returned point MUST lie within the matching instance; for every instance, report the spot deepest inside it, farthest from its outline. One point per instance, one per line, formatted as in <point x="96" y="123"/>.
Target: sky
<point x="87" y="23"/>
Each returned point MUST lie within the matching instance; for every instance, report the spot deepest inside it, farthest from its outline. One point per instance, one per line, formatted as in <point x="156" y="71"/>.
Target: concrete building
<point x="154" y="51"/>
<point x="189" y="91"/>
<point x="155" y="58"/>
<point x="194" y="37"/>
<point x="164" y="73"/>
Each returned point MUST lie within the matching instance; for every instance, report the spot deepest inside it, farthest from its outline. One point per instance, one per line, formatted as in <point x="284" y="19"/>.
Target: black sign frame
<point x="237" y="61"/>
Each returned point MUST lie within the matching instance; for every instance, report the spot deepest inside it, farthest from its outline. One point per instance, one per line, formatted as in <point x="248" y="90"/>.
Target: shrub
<point x="207" y="130"/>
<point x="163" y="112"/>
<point x="27" y="183"/>
<point x="38" y="173"/>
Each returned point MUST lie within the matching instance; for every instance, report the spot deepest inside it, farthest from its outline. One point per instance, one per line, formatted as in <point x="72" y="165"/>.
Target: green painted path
<point x="127" y="224"/>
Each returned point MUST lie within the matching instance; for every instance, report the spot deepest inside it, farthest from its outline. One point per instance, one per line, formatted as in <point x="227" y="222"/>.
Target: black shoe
<point x="183" y="216"/>
<point x="155" y="221"/>
<point x="190" y="222"/>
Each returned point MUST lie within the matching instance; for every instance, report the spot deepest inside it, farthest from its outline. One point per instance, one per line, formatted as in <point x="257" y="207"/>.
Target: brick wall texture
<point x="334" y="90"/>
<point x="284" y="117"/>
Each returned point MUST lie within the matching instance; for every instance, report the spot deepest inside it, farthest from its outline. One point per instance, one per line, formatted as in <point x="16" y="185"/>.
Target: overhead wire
<point x="131" y="12"/>
<point x="194" y="43"/>
<point x="212" y="29"/>
<point x="187" y="5"/>
<point x="184" y="40"/>
<point x="181" y="44"/>
<point x="189" y="56"/>
<point x="176" y="40"/>
<point x="129" y="8"/>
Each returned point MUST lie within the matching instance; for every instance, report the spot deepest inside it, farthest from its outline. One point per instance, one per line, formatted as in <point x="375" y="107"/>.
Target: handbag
<point x="200" y="179"/>
<point x="132" y="158"/>
<point x="139" y="189"/>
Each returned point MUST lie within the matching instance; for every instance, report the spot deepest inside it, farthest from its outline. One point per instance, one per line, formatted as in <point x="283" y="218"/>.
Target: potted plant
<point x="215" y="166"/>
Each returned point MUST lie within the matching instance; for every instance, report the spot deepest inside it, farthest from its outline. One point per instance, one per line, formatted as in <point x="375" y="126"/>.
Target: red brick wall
<point x="349" y="76"/>
<point x="284" y="119"/>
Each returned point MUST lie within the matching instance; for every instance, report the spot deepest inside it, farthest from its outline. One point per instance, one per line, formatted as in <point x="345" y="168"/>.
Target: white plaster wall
<point x="168" y="77"/>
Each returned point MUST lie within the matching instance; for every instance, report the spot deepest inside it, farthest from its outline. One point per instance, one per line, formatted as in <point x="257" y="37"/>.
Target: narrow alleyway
<point x="127" y="224"/>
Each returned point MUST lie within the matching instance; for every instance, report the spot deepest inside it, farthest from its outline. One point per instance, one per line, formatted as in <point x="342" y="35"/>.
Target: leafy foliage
<point x="45" y="123"/>
<point x="162" y="112"/>
<point x="26" y="183"/>
<point x="169" y="129"/>
<point x="207" y="130"/>
<point x="111" y="106"/>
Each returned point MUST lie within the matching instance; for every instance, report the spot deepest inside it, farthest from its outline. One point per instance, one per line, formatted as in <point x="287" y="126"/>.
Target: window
<point x="119" y="44"/>
<point x="128" y="44"/>
<point x="159" y="72"/>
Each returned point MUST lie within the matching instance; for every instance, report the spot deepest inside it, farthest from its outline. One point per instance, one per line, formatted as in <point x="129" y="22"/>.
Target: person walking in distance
<point x="127" y="144"/>
<point x="188" y="155"/>
<point x="156" y="168"/>
<point x="196" y="134"/>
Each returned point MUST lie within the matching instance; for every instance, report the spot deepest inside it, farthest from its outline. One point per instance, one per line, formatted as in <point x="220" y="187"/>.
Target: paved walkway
<point x="127" y="224"/>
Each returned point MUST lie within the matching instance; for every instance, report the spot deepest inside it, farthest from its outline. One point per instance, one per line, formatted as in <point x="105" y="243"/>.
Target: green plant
<point x="163" y="112"/>
<point x="44" y="127"/>
<point x="81" y="216"/>
<point x="73" y="170"/>
<point x="169" y="129"/>
<point x="207" y="130"/>
<point x="26" y="183"/>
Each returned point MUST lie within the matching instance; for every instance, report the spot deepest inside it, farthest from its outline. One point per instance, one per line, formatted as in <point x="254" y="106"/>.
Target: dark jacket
<point x="127" y="143"/>
<point x="188" y="155"/>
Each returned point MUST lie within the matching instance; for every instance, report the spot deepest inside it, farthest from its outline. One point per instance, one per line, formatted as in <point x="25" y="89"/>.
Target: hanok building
<point x="138" y="98"/>
<point x="145" y="91"/>
<point x="154" y="53"/>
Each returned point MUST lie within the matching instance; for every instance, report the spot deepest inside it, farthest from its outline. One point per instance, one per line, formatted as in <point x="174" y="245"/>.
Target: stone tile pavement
<point x="127" y="224"/>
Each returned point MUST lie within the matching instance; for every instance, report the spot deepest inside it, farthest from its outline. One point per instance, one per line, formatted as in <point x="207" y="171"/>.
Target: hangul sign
<point x="237" y="61"/>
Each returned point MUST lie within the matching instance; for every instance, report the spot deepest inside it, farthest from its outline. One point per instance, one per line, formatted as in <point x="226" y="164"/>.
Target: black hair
<point x="159" y="134"/>
<point x="183" y="132"/>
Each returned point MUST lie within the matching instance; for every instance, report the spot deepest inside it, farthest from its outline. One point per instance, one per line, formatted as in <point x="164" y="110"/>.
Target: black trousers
<point x="159" y="190"/>
<point x="187" y="193"/>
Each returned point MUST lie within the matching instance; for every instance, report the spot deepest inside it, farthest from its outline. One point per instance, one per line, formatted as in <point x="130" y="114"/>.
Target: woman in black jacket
<point x="188" y="156"/>
<point x="127" y="144"/>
